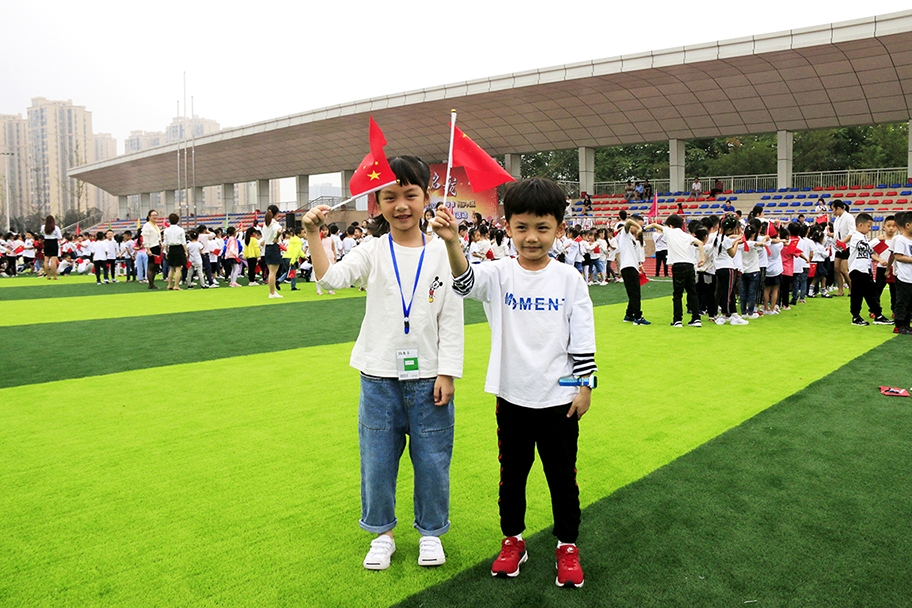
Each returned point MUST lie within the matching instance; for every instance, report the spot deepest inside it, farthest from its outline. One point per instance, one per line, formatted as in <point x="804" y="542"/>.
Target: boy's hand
<point x="443" y="390"/>
<point x="445" y="225"/>
<point x="315" y="218"/>
<point x="580" y="404"/>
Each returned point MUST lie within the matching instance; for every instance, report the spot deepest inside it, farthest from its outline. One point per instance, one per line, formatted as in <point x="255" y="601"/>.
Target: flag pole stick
<point x="446" y="184"/>
<point x="346" y="201"/>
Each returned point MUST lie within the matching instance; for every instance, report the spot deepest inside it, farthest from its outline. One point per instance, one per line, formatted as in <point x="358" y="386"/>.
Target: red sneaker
<point x="569" y="571"/>
<point x="895" y="330"/>
<point x="512" y="554"/>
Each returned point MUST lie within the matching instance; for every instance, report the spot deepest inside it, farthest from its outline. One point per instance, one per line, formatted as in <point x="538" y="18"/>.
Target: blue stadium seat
<point x="814" y="195"/>
<point x="732" y="198"/>
<point x="782" y="190"/>
<point x="795" y="204"/>
<point x="879" y="218"/>
<point x="825" y="195"/>
<point x="720" y="198"/>
<point x="765" y="197"/>
<point x="806" y="189"/>
<point x="777" y="197"/>
<point x="789" y="196"/>
<point x="906" y="193"/>
<point x="896" y="185"/>
<point x="704" y="206"/>
<point x="882" y="186"/>
<point x="783" y="204"/>
<point x="739" y="191"/>
<point x="801" y="196"/>
<point x="875" y="227"/>
<point x="793" y="189"/>
<point x="715" y="206"/>
<point x="807" y="204"/>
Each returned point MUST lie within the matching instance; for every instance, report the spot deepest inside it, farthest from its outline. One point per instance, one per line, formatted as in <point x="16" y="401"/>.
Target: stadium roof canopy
<point x="850" y="73"/>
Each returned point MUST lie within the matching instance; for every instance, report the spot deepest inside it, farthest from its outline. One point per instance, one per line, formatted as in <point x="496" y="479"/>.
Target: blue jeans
<point x="749" y="283"/>
<point x="799" y="286"/>
<point x="390" y="409"/>
<point x="142" y="259"/>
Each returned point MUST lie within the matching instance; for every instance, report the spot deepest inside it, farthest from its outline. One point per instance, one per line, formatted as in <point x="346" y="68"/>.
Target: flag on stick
<point x="374" y="173"/>
<point x="654" y="210"/>
<point x="483" y="171"/>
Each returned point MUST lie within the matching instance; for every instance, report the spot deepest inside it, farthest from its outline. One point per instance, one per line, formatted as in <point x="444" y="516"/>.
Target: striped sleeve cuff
<point x="584" y="364"/>
<point x="464" y="283"/>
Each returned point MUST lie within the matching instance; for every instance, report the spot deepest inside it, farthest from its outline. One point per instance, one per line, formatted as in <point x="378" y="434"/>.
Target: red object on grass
<point x="894" y="392"/>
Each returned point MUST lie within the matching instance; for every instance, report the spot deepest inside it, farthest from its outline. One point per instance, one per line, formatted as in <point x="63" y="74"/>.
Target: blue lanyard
<point x="407" y="309"/>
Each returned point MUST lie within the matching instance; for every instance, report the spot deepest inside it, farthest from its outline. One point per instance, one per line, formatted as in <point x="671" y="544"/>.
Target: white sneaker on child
<point x="430" y="551"/>
<point x="382" y="549"/>
<point x="720" y="320"/>
<point x="737" y="320"/>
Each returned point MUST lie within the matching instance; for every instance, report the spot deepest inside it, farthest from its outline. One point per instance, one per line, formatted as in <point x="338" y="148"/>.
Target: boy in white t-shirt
<point x="195" y="257"/>
<point x="863" y="289"/>
<point x="541" y="366"/>
<point x="902" y="270"/>
<point x="684" y="275"/>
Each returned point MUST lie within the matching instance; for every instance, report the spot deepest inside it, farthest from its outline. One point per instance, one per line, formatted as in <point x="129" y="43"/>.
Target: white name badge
<point x="407" y="363"/>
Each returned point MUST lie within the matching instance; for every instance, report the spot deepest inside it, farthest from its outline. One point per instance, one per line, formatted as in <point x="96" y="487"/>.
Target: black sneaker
<point x="695" y="323"/>
<point x="906" y="331"/>
<point x="882" y="320"/>
<point x="860" y="322"/>
<point x="677" y="324"/>
<point x="628" y="319"/>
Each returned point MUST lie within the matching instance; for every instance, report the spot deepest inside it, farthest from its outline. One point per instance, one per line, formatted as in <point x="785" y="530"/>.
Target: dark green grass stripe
<point x="806" y="504"/>
<point x="69" y="289"/>
<point x="58" y="351"/>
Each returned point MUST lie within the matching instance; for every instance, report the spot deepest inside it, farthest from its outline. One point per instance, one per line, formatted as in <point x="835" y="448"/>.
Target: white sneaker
<point x="753" y="315"/>
<point x="737" y="320"/>
<point x="603" y="283"/>
<point x="382" y="549"/>
<point x="275" y="295"/>
<point x="430" y="551"/>
<point x="720" y="320"/>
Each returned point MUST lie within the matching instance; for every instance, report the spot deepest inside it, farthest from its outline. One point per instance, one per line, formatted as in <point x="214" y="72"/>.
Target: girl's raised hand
<point x="445" y="224"/>
<point x="315" y="218"/>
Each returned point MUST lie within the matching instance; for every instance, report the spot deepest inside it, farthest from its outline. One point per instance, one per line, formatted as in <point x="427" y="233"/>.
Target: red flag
<point x="77" y="228"/>
<point x="880" y="247"/>
<point x="841" y="246"/>
<point x="822" y="219"/>
<point x="654" y="211"/>
<point x="643" y="279"/>
<point x="771" y="231"/>
<point x="483" y="171"/>
<point x="374" y="171"/>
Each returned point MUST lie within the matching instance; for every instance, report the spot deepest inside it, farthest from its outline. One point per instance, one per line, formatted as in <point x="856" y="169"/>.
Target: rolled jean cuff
<point x="438" y="532"/>
<point x="378" y="529"/>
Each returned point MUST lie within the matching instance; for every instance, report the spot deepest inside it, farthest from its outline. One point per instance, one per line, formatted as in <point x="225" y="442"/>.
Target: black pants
<point x="631" y="278"/>
<point x="662" y="258"/>
<point x="706" y="293"/>
<point x="863" y="289"/>
<point x="725" y="290"/>
<point x="99" y="265"/>
<point x="903" y="303"/>
<point x="684" y="279"/>
<point x="519" y="431"/>
<point x="881" y="282"/>
<point x="785" y="290"/>
<point x="207" y="269"/>
<point x="152" y="267"/>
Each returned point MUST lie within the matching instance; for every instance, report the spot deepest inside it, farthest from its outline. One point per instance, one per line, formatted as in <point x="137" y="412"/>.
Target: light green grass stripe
<point x="154" y="487"/>
<point x="33" y="281"/>
<point x="145" y="303"/>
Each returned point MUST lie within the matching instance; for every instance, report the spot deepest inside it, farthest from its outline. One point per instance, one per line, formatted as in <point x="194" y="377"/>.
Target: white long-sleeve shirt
<point x="435" y="320"/>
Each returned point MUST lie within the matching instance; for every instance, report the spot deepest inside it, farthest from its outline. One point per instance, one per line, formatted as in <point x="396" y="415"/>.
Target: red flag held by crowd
<point x="483" y="171"/>
<point x="374" y="171"/>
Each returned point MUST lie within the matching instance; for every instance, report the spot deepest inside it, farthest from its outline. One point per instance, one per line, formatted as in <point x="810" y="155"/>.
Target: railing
<point x="767" y="181"/>
<point x="323" y="200"/>
<point x="92" y="220"/>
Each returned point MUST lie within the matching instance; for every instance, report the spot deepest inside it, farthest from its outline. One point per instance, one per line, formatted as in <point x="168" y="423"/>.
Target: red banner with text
<point x="460" y="198"/>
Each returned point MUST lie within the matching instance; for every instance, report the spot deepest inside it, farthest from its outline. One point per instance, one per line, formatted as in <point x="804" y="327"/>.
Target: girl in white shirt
<point x="100" y="258"/>
<point x="408" y="351"/>
<point x="272" y="233"/>
<point x="52" y="237"/>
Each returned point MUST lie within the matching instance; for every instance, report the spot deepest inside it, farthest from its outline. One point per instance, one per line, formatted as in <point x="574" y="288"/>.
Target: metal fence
<point x="767" y="181"/>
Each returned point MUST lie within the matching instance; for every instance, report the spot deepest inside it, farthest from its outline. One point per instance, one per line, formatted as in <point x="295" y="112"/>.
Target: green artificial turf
<point x="235" y="481"/>
<point x="805" y="504"/>
<point x="46" y="352"/>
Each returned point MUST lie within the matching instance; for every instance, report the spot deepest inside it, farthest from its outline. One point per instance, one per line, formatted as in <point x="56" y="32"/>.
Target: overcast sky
<point x="253" y="61"/>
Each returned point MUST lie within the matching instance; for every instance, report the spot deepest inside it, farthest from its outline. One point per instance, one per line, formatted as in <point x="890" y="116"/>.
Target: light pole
<point x="6" y="179"/>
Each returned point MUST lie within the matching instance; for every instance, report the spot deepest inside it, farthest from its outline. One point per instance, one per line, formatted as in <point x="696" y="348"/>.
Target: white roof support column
<point x="228" y="200"/>
<point x="909" y="163"/>
<point x="784" y="141"/>
<point x="145" y="203"/>
<point x="262" y="189"/>
<point x="513" y="165"/>
<point x="587" y="170"/>
<point x="302" y="190"/>
<point x="169" y="201"/>
<point x="197" y="200"/>
<point x="123" y="208"/>
<point x="676" y="165"/>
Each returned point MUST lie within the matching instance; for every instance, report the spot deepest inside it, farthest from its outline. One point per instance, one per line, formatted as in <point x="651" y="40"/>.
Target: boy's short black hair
<point x="675" y="221"/>
<point x="890" y="218"/>
<point x="794" y="229"/>
<point x="900" y="218"/>
<point x="623" y="214"/>
<point x="863" y="218"/>
<point x="538" y="196"/>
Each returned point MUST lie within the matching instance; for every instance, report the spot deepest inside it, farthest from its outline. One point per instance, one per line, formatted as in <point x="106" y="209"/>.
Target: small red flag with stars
<point x="374" y="171"/>
<point x="483" y="171"/>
